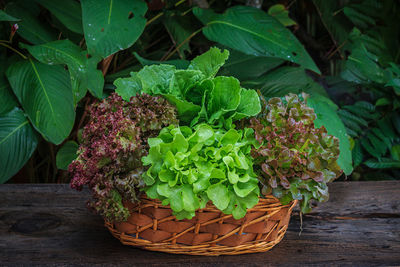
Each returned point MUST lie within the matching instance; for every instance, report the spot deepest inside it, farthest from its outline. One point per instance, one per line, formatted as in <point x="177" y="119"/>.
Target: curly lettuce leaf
<point x="187" y="168"/>
<point x="196" y="93"/>
<point x="210" y="62"/>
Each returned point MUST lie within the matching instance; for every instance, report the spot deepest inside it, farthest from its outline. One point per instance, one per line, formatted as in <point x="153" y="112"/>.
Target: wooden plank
<point x="49" y="224"/>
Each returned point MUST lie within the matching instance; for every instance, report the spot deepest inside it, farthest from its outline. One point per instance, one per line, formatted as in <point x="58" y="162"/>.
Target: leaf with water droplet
<point x="112" y="26"/>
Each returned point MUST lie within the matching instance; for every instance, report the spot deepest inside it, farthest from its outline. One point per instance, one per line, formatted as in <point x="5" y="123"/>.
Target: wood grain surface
<point x="50" y="225"/>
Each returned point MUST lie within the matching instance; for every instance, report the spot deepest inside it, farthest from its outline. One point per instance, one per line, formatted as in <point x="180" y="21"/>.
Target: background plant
<point x="56" y="58"/>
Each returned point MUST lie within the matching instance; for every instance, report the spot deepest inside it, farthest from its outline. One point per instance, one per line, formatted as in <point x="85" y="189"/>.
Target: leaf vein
<point x="16" y="129"/>
<point x="42" y="85"/>
<point x="109" y="13"/>
<point x="246" y="30"/>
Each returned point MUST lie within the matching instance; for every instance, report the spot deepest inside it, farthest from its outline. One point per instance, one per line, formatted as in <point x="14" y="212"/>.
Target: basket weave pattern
<point x="152" y="226"/>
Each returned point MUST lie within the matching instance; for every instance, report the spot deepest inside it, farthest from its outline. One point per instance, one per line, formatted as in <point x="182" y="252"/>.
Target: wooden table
<point x="50" y="225"/>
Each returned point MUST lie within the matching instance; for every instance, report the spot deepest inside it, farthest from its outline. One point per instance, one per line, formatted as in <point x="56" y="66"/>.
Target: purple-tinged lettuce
<point x="295" y="159"/>
<point x="114" y="140"/>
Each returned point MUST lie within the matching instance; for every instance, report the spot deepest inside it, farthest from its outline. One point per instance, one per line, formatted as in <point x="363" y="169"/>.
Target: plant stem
<point x="154" y="18"/>
<point x="105" y="64"/>
<point x="180" y="45"/>
<point x="162" y="13"/>
<point x="13" y="49"/>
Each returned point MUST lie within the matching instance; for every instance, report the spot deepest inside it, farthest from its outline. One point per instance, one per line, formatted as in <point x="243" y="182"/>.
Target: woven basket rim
<point x="268" y="212"/>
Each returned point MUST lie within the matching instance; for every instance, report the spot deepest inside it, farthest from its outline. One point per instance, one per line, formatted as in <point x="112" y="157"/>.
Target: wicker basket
<point x="152" y="226"/>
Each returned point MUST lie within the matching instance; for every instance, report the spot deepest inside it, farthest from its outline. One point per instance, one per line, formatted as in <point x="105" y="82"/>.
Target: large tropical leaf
<point x="328" y="117"/>
<point x="246" y="67"/>
<point x="67" y="11"/>
<point x="45" y="94"/>
<point x="30" y="28"/>
<point x="83" y="71"/>
<point x="111" y="26"/>
<point x="254" y="32"/>
<point x="7" y="99"/>
<point x="5" y="17"/>
<point x="66" y="155"/>
<point x="284" y="80"/>
<point x="17" y="143"/>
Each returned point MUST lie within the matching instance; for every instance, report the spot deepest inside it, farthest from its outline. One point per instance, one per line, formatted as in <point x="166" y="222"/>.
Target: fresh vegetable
<point x="188" y="168"/>
<point x="114" y="140"/>
<point x="198" y="95"/>
<point x="295" y="160"/>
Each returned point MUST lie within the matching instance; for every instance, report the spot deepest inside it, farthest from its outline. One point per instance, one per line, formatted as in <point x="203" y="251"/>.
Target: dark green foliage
<point x="84" y="46"/>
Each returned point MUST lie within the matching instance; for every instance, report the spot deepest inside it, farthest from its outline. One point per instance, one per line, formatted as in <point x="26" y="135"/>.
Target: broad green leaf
<point x="128" y="87"/>
<point x="178" y="63"/>
<point x="83" y="71"/>
<point x="7" y="98"/>
<point x="230" y="137"/>
<point x="156" y="78"/>
<point x="176" y="199"/>
<point x="243" y="189"/>
<point x="249" y="104"/>
<point x="254" y="32"/>
<point x="30" y="27"/>
<point x="186" y="110"/>
<point x="203" y="133"/>
<point x="363" y="67"/>
<point x="284" y="80"/>
<point x="190" y="201"/>
<point x="111" y="26"/>
<point x="45" y="94"/>
<point x="327" y="116"/>
<point x="67" y="11"/>
<point x="224" y="97"/>
<point x="66" y="33"/>
<point x="281" y="14"/>
<point x="210" y="62"/>
<point x="184" y="80"/>
<point x="219" y="195"/>
<point x="66" y="155"/>
<point x="5" y="17"/>
<point x="246" y="67"/>
<point x="17" y="143"/>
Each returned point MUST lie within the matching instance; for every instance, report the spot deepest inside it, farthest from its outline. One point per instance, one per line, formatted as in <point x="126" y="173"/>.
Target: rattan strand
<point x="153" y="227"/>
